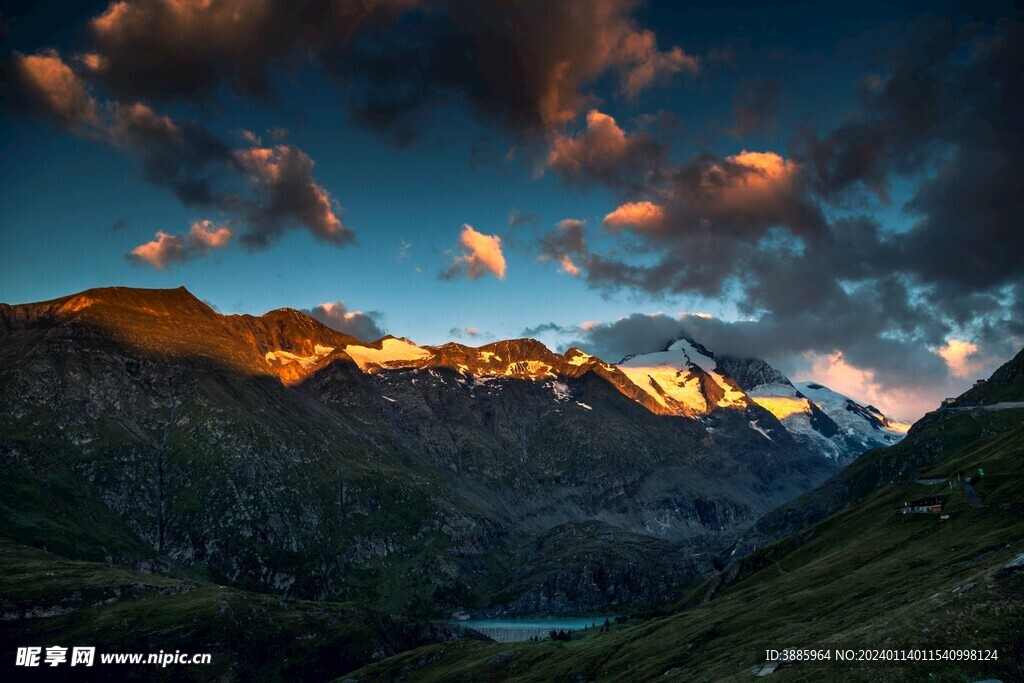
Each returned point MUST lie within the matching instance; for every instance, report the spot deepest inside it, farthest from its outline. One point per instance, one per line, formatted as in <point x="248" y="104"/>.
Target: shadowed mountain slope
<point x="273" y="453"/>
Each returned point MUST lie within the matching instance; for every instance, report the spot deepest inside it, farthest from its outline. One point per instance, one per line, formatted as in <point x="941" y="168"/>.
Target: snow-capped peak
<point x="700" y="357"/>
<point x="849" y="413"/>
<point x="687" y="378"/>
<point x="673" y="377"/>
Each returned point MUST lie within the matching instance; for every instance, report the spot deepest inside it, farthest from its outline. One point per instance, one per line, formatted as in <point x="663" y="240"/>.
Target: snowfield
<point x="675" y="374"/>
<point x="393" y="353"/>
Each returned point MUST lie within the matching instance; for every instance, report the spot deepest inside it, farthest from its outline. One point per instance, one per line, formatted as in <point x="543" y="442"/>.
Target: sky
<point x="835" y="187"/>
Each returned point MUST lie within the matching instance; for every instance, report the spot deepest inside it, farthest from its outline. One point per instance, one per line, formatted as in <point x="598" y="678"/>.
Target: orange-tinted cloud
<point x="640" y="215"/>
<point x="206" y="235"/>
<point x="605" y="152"/>
<point x="603" y="138"/>
<point x="336" y="315"/>
<point x="566" y="246"/>
<point x="165" y="249"/>
<point x="567" y="266"/>
<point x="961" y="357"/>
<point x="53" y="89"/>
<point x="153" y="47"/>
<point x="529" y="62"/>
<point x="642" y="64"/>
<point x="481" y="254"/>
<point x="834" y="371"/>
<point x="749" y="183"/>
<point x="585" y="40"/>
<point x="184" y="156"/>
<point x="141" y="116"/>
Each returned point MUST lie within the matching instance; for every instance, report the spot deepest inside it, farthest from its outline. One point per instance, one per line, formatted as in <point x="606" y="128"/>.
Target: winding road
<point x="1008" y="405"/>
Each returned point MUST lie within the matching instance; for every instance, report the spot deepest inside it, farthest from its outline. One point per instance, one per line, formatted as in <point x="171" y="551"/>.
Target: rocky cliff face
<point x="590" y="566"/>
<point x="274" y="453"/>
<point x="750" y="373"/>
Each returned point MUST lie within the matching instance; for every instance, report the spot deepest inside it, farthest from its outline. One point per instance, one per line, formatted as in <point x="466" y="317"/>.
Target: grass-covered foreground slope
<point x="864" y="577"/>
<point x="990" y="408"/>
<point x="48" y="600"/>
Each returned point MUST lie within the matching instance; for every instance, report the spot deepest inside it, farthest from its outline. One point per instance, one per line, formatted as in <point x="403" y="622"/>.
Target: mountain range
<point x="853" y="571"/>
<point x="275" y="453"/>
<point x="170" y="453"/>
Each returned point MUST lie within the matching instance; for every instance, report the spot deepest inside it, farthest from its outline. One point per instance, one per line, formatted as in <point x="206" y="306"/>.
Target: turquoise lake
<point x="556" y="623"/>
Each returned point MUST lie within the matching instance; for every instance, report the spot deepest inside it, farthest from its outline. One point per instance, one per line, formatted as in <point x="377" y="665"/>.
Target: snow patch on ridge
<point x="532" y="368"/>
<point x="753" y="425"/>
<point x="709" y="365"/>
<point x="393" y="353"/>
<point x="580" y="358"/>
<point x="665" y="381"/>
<point x="285" y="357"/>
<point x="780" y="400"/>
<point x="560" y="390"/>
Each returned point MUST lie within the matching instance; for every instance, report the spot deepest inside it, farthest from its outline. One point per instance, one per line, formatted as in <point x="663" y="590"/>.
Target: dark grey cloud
<point x="286" y="193"/>
<point x="567" y="239"/>
<point x="637" y="333"/>
<point x="786" y="240"/>
<point x="465" y="333"/>
<point x="517" y="219"/>
<point x="948" y="111"/>
<point x="365" y="326"/>
<point x="756" y="107"/>
<point x="800" y="349"/>
<point x="182" y="156"/>
<point x="160" y="50"/>
<point x="44" y="85"/>
<point x="263" y="190"/>
<point x="525" y="64"/>
<point x="548" y="328"/>
<point x="906" y="112"/>
<point x="269" y="190"/>
<point x="604" y="153"/>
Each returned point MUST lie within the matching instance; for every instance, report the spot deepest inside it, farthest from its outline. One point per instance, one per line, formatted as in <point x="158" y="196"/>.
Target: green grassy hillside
<point x="932" y="439"/>
<point x="48" y="600"/>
